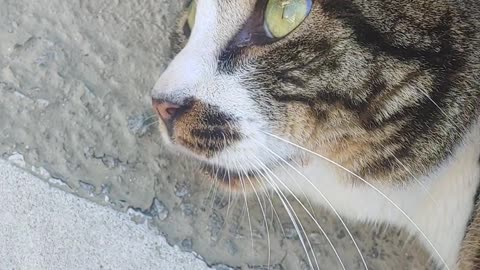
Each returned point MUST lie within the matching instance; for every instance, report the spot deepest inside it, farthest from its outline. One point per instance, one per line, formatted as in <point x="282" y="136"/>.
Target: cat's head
<point x="382" y="89"/>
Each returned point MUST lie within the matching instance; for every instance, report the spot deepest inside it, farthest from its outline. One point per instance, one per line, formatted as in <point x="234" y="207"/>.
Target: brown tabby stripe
<point x="470" y="253"/>
<point x="476" y="202"/>
<point x="366" y="34"/>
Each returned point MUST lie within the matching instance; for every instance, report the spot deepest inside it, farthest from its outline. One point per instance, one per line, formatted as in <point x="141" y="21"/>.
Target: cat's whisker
<point x="208" y="199"/>
<point x="294" y="217"/>
<point x="439" y="108"/>
<point x="307" y="211"/>
<point x="297" y="184"/>
<point x="286" y="206"/>
<point x="214" y="196"/>
<point x="264" y="216"/>
<point x="246" y="205"/>
<point x="153" y="115"/>
<point x="405" y="167"/>
<point x="410" y="220"/>
<point x="210" y="191"/>
<point x="151" y="124"/>
<point x="229" y="197"/>
<point x="228" y="176"/>
<point x="429" y="194"/>
<point x="229" y="184"/>
<point x="321" y="194"/>
<point x="269" y="198"/>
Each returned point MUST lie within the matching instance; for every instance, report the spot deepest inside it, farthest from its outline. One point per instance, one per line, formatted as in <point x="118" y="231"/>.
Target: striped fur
<point x="470" y="253"/>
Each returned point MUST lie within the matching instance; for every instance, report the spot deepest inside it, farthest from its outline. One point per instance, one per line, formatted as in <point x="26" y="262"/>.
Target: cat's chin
<point x="234" y="179"/>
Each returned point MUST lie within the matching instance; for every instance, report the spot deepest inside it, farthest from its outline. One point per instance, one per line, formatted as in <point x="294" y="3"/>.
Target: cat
<point x="369" y="108"/>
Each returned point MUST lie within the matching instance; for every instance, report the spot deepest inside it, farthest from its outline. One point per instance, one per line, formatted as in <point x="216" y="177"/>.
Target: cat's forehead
<point x="221" y="19"/>
<point x="232" y="6"/>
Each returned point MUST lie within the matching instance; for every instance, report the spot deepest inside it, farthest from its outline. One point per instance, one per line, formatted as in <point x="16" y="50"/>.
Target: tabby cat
<point x="368" y="107"/>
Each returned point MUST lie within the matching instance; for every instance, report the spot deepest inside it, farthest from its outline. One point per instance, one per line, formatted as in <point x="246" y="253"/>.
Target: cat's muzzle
<point x="200" y="128"/>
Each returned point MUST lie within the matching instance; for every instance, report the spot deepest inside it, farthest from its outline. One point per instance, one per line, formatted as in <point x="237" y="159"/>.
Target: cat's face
<point x="376" y="87"/>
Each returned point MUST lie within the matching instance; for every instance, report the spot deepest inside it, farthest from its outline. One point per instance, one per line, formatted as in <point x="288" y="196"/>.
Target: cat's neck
<point x="428" y="207"/>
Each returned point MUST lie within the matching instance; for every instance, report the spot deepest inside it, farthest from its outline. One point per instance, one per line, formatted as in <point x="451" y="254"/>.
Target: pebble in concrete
<point x="159" y="210"/>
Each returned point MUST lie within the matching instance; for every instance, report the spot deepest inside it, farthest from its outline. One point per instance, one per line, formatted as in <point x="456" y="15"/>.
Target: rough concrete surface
<point x="75" y="78"/>
<point x="45" y="228"/>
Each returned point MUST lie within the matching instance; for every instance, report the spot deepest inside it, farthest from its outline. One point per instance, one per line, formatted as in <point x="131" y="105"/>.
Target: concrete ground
<point x="44" y="228"/>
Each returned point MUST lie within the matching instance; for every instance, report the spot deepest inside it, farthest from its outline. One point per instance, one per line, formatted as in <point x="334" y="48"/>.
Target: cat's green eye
<point x="192" y="13"/>
<point x="284" y="16"/>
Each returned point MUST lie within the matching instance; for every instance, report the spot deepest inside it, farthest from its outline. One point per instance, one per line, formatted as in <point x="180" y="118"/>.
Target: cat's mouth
<point x="233" y="179"/>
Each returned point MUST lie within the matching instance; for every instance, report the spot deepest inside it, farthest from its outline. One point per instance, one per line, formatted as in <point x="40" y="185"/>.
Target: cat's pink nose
<point x="166" y="110"/>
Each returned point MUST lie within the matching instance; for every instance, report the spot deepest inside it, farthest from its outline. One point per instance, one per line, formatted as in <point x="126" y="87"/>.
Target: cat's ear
<point x="180" y="34"/>
<point x="191" y="16"/>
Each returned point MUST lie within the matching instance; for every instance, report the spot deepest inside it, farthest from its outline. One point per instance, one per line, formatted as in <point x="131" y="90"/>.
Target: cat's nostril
<point x="167" y="111"/>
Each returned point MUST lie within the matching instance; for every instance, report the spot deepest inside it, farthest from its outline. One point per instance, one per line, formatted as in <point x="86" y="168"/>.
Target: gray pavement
<point x="45" y="228"/>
